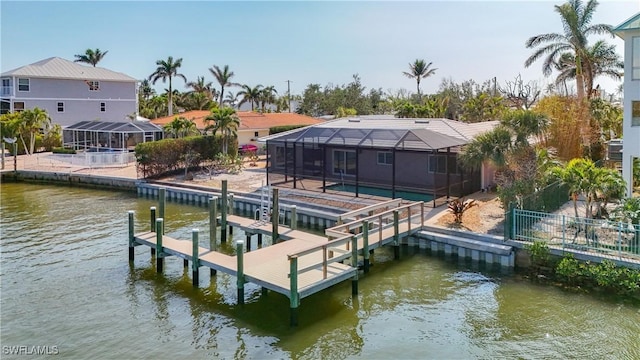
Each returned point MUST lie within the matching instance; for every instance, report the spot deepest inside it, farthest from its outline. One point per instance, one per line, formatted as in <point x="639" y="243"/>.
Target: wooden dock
<point x="297" y="264"/>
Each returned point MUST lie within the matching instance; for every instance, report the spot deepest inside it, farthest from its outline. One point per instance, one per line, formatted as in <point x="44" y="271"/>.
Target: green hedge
<point x="61" y="150"/>
<point x="279" y="129"/>
<point x="159" y="157"/>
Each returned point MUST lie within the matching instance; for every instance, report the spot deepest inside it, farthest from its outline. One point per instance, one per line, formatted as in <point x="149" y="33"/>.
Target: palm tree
<point x="201" y="86"/>
<point x="146" y="90"/>
<point x="492" y="146"/>
<point x="180" y="127"/>
<point x="33" y="122"/>
<point x="268" y="96"/>
<point x="419" y="70"/>
<point x="231" y="99"/>
<point x="524" y="124"/>
<point x="603" y="58"/>
<point x="576" y="22"/>
<point x="223" y="76"/>
<point x="226" y="121"/>
<point x="92" y="57"/>
<point x="250" y="94"/>
<point x="167" y="69"/>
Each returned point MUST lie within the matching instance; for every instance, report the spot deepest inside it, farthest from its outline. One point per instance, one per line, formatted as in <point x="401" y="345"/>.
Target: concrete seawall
<point x="84" y="180"/>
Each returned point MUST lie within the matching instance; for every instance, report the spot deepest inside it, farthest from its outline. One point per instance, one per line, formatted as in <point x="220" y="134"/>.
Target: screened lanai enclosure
<point x="109" y="136"/>
<point x="410" y="162"/>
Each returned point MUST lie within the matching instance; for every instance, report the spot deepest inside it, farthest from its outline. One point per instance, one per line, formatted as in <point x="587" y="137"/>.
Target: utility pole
<point x="289" y="93"/>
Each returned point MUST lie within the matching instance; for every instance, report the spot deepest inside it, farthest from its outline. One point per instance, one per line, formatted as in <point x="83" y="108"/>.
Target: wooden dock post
<point x="131" y="236"/>
<point x="294" y="217"/>
<point x="213" y="224"/>
<point x="396" y="237"/>
<point x="223" y="213"/>
<point x="162" y="202"/>
<point x="230" y="211"/>
<point x="195" y="261"/>
<point x="159" y="253"/>
<point x="152" y="212"/>
<point x="260" y="240"/>
<point x="354" y="263"/>
<point x="275" y="217"/>
<point x="240" y="271"/>
<point x="293" y="282"/>
<point x="365" y="245"/>
<point x="248" y="235"/>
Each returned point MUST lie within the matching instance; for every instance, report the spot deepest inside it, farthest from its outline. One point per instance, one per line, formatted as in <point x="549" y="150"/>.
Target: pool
<point x="368" y="190"/>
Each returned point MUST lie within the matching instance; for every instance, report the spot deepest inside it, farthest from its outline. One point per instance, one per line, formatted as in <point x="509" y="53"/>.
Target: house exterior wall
<point x="631" y="134"/>
<point x="79" y="102"/>
<point x="245" y="136"/>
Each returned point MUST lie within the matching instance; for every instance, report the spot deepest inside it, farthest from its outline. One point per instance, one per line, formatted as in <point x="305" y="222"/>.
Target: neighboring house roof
<point x="387" y="132"/>
<point x="59" y="68"/>
<point x="119" y="127"/>
<point x="633" y="23"/>
<point x="248" y="120"/>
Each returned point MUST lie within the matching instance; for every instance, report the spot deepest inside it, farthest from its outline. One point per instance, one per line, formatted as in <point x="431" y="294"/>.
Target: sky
<point x="324" y="42"/>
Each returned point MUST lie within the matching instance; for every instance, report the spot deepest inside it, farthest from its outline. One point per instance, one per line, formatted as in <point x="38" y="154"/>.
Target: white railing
<point x="96" y="159"/>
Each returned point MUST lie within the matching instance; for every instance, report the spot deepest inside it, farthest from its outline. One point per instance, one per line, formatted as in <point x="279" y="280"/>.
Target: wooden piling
<point x="231" y="204"/>
<point x="275" y="217"/>
<point x="365" y="245"/>
<point x="213" y="224"/>
<point x="240" y="271"/>
<point x="152" y="212"/>
<point x="354" y="263"/>
<point x="159" y="253"/>
<point x="294" y="217"/>
<point x="195" y="260"/>
<point x="260" y="241"/>
<point x="223" y="213"/>
<point x="131" y="236"/>
<point x="294" y="298"/>
<point x="248" y="235"/>
<point x="162" y="202"/>
<point x="396" y="236"/>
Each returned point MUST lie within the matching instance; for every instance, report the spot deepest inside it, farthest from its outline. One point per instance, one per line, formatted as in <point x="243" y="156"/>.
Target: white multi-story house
<point x="629" y="31"/>
<point x="70" y="92"/>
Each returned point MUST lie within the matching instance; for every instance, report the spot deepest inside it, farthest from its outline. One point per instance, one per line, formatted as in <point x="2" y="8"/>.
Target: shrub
<point x="458" y="207"/>
<point x="279" y="129"/>
<point x="539" y="252"/>
<point x="61" y="150"/>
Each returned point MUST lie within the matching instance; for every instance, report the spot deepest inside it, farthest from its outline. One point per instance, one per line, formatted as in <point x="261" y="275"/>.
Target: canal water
<point x="66" y="282"/>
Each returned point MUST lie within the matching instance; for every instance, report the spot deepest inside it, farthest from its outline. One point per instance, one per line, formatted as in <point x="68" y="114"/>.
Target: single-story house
<point x="253" y="125"/>
<point x="378" y="155"/>
<point x="106" y="136"/>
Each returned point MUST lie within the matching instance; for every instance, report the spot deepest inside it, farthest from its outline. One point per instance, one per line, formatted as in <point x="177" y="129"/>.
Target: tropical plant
<point x="90" y="56"/>
<point x="33" y="122"/>
<point x="223" y="76"/>
<point x="267" y="96"/>
<point x="458" y="207"/>
<point x="250" y="94"/>
<point x="145" y="90"/>
<point x="180" y="127"/>
<point x="419" y="70"/>
<point x="201" y="86"/>
<point x="167" y="69"/>
<point x="576" y="22"/>
<point x="482" y="107"/>
<point x="226" y="121"/>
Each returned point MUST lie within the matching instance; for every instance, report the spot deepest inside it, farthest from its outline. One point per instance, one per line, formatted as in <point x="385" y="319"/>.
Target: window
<point x="103" y="107"/>
<point x="93" y="85"/>
<point x="438" y="164"/>
<point x="635" y="60"/>
<point x="385" y="158"/>
<point x="255" y="134"/>
<point x="635" y="113"/>
<point x="6" y="87"/>
<point x="18" y="106"/>
<point x="23" y="84"/>
<point x="344" y="162"/>
<point x="60" y="107"/>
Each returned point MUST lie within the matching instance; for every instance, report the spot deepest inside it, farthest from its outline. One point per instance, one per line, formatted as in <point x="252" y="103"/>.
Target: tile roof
<point x="248" y="120"/>
<point x="59" y="68"/>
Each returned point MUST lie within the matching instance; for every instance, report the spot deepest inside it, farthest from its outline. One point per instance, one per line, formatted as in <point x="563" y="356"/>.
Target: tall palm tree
<point x="226" y="121"/>
<point x="201" y="86"/>
<point x="232" y="99"/>
<point x="145" y="90"/>
<point x="250" y="94"/>
<point x="180" y="127"/>
<point x="267" y="96"/>
<point x="223" y="76"/>
<point x="92" y="57"/>
<point x="576" y="22"/>
<point x="419" y="69"/>
<point x="167" y="69"/>
<point x="604" y="60"/>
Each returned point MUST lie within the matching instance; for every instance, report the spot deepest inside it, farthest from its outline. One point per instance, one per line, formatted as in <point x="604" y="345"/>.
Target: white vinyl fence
<point x="96" y="159"/>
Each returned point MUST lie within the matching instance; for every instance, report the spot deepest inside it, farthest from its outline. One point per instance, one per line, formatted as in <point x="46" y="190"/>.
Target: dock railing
<point x="569" y="232"/>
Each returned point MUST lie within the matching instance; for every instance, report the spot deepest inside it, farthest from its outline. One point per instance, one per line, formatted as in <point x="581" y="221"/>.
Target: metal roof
<point x="633" y="23"/>
<point x="386" y="132"/>
<point x="116" y="127"/>
<point x="59" y="68"/>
